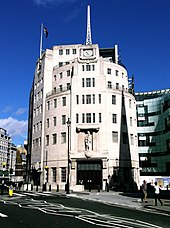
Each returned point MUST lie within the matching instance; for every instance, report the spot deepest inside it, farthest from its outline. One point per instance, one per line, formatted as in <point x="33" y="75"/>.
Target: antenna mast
<point x="88" y="35"/>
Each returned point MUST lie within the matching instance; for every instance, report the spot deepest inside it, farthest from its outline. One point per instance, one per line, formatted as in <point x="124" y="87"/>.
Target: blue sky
<point x="141" y="28"/>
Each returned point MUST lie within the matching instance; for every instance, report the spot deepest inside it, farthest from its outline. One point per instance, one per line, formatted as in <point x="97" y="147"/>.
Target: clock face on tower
<point x="88" y="52"/>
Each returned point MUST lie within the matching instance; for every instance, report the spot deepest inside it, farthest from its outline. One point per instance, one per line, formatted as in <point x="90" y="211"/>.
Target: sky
<point x="141" y="28"/>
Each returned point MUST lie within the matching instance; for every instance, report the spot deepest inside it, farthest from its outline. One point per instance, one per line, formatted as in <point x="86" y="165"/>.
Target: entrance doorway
<point x="89" y="173"/>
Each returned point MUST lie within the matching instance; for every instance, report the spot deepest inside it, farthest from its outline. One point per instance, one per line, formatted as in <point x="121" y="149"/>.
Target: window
<point x="60" y="64"/>
<point x="63" y="174"/>
<point x="54" y="174"/>
<point x="88" y="117"/>
<point x="77" y="118"/>
<point x="55" y="103"/>
<point x="63" y="101"/>
<point x="131" y="139"/>
<point x="54" y="120"/>
<point x="117" y="85"/>
<point x="67" y="51"/>
<point x="60" y="52"/>
<point x="55" y="77"/>
<point x="130" y="103"/>
<point x="83" y="83"/>
<point x="68" y="86"/>
<point x="116" y="72"/>
<point x="100" y="100"/>
<point x="83" y="118"/>
<point x="109" y="84"/>
<point x="114" y="136"/>
<point x="93" y="82"/>
<point x="114" y="99"/>
<point x="48" y="123"/>
<point x="100" y="117"/>
<point x="54" y="139"/>
<point x="68" y="73"/>
<point x="83" y="99"/>
<point x="54" y="90"/>
<point x="88" y="67"/>
<point x="63" y="137"/>
<point x="60" y="88"/>
<point x="47" y="140"/>
<point x="108" y="71"/>
<point x="63" y="119"/>
<point x="88" y="99"/>
<point x="61" y="75"/>
<point x="88" y="82"/>
<point x="94" y="119"/>
<point x="93" y="67"/>
<point x="48" y="105"/>
<point x="93" y="97"/>
<point x="114" y="118"/>
<point x="77" y="99"/>
<point x="74" y="51"/>
<point x="83" y="69"/>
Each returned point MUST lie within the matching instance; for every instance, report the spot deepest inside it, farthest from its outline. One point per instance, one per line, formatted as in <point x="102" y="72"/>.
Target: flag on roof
<point x="45" y="32"/>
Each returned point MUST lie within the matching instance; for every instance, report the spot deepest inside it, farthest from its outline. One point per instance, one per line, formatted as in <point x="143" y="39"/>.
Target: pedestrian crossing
<point x="24" y="194"/>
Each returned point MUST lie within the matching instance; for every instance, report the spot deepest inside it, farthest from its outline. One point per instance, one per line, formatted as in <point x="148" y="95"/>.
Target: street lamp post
<point x="68" y="157"/>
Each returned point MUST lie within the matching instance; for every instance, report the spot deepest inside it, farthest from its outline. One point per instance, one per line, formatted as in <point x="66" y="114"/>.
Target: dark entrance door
<point x="90" y="174"/>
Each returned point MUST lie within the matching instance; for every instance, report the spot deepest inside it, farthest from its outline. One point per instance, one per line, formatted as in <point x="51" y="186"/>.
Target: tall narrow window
<point x="48" y="123"/>
<point x="88" y="67"/>
<point x="47" y="140"/>
<point x="114" y="136"/>
<point x="83" y="118"/>
<point x="48" y="105"/>
<point x="54" y="120"/>
<point x="63" y="174"/>
<point x="68" y="73"/>
<point x="63" y="137"/>
<point x="63" y="101"/>
<point x="100" y="100"/>
<point x="88" y="117"/>
<point x="54" y="139"/>
<point x="67" y="51"/>
<point x="74" y="51"/>
<point x="54" y="174"/>
<point x="63" y="119"/>
<point x="114" y="99"/>
<point x="77" y="118"/>
<point x="108" y="71"/>
<point x="109" y="84"/>
<point x="93" y="97"/>
<point x="88" y="82"/>
<point x="114" y="118"/>
<point x="131" y="121"/>
<point x="116" y="72"/>
<point x="94" y="119"/>
<point x="60" y="52"/>
<point x="100" y="117"/>
<point x="55" y="103"/>
<point x="93" y="82"/>
<point x="83" y="99"/>
<point x="83" y="83"/>
<point x="88" y="99"/>
<point x="77" y="99"/>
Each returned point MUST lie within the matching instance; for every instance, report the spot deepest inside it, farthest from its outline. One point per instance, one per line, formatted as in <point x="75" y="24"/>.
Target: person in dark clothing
<point x="144" y="192"/>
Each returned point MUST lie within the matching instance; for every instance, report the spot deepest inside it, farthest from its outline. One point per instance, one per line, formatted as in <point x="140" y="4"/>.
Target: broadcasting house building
<point x="82" y="120"/>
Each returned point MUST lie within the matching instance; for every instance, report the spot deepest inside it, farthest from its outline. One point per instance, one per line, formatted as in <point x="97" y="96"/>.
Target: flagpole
<point x="41" y="36"/>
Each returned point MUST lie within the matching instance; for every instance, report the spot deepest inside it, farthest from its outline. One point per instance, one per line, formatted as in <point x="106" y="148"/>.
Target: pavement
<point x="131" y="200"/>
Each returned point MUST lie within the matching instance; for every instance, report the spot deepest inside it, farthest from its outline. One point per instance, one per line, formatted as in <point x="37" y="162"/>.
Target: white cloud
<point x="21" y="111"/>
<point x="46" y="2"/>
<point x="14" y="127"/>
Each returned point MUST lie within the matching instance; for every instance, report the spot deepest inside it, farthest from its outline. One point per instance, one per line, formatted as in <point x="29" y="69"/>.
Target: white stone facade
<point x="88" y="86"/>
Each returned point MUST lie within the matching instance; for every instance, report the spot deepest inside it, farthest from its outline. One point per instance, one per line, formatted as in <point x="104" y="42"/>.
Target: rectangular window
<point x="60" y="88"/>
<point x="55" y="103"/>
<point x="54" y="174"/>
<point x="93" y="67"/>
<point x="74" y="51"/>
<point x="100" y="100"/>
<point x="55" y="78"/>
<point x="83" y="99"/>
<point x="48" y="105"/>
<point x="114" y="136"/>
<point x="116" y="72"/>
<point x="88" y="82"/>
<point x="130" y="103"/>
<point x="100" y="117"/>
<point x="94" y="119"/>
<point x="60" y="75"/>
<point x="47" y="140"/>
<point x="63" y="101"/>
<point x="131" y="139"/>
<point x="83" y="83"/>
<point x="67" y="51"/>
<point x="54" y="139"/>
<point x="77" y="118"/>
<point x="60" y="64"/>
<point x="88" y="117"/>
<point x="114" y="118"/>
<point x="117" y="85"/>
<point x="60" y="52"/>
<point x="63" y="137"/>
<point x="114" y="99"/>
<point x="83" y="118"/>
<point x="88" y="99"/>
<point x="54" y="120"/>
<point x="48" y="123"/>
<point x="109" y="84"/>
<point x="68" y="86"/>
<point x="63" y="174"/>
<point x="77" y="99"/>
<point x="93" y="82"/>
<point x="88" y="67"/>
<point x="93" y="97"/>
<point x="108" y="71"/>
<point x="83" y="69"/>
<point x="63" y="119"/>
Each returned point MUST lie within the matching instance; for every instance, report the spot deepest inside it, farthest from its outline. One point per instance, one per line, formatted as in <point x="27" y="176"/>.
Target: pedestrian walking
<point x="157" y="194"/>
<point x="144" y="192"/>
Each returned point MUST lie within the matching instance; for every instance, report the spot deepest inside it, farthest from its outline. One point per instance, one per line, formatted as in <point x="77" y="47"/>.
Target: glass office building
<point x="153" y="120"/>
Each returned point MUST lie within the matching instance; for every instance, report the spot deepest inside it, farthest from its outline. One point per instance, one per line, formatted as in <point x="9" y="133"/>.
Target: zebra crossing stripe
<point x="3" y="215"/>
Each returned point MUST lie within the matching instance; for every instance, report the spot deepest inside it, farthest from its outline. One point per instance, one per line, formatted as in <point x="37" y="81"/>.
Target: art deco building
<point x="153" y="118"/>
<point x="82" y="119"/>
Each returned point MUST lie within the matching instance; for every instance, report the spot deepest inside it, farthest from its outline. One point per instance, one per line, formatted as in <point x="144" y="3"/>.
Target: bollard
<point x="10" y="190"/>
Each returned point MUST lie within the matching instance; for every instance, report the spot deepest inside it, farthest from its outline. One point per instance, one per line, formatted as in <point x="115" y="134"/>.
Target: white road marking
<point x="3" y="215"/>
